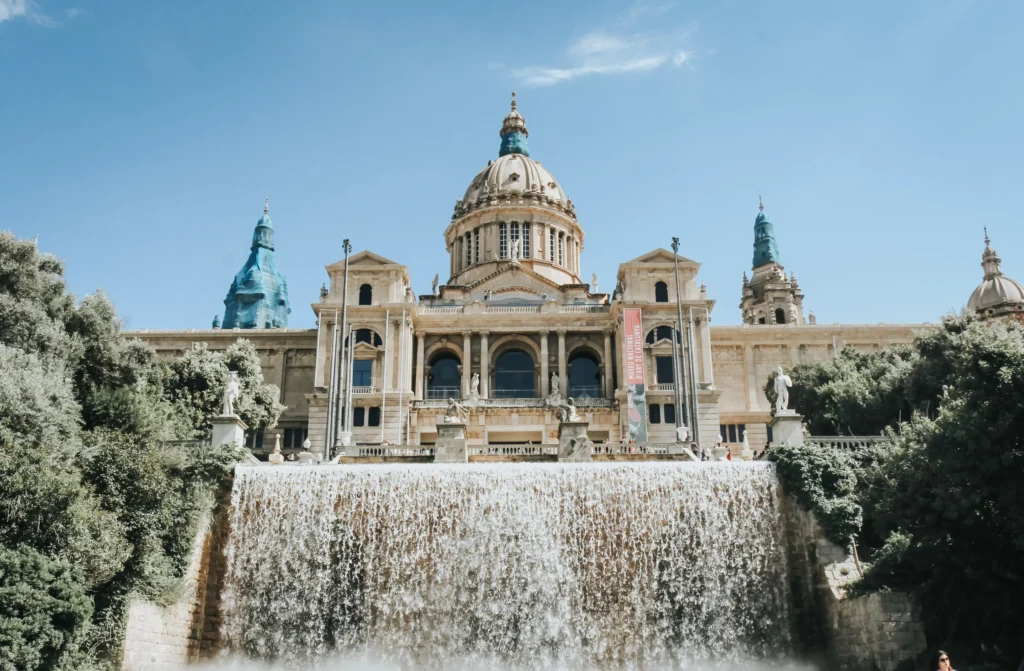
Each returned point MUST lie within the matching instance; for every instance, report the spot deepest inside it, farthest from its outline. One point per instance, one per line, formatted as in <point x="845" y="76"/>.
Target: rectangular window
<point x="526" y="240"/>
<point x="723" y="432"/>
<point x="740" y="428"/>
<point x="654" y="413"/>
<point x="374" y="417"/>
<point x="732" y="433"/>
<point x="663" y="369"/>
<point x="254" y="440"/>
<point x="670" y="413"/>
<point x="362" y="373"/>
<point x="476" y="245"/>
<point x="294" y="437"/>
<point x="771" y="437"/>
<point x="469" y="248"/>
<point x="551" y="245"/>
<point x="561" y="249"/>
<point x="514" y="234"/>
<point x="358" y="416"/>
<point x="502" y="241"/>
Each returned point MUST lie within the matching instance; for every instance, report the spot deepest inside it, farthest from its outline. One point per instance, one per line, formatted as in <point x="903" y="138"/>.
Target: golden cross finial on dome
<point x="760" y="203"/>
<point x="266" y="206"/>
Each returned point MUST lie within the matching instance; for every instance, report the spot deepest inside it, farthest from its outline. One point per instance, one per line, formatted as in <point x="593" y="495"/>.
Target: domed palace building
<point x="515" y="331"/>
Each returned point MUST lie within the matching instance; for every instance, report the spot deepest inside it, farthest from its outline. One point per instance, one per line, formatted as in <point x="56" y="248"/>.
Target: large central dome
<point x="514" y="177"/>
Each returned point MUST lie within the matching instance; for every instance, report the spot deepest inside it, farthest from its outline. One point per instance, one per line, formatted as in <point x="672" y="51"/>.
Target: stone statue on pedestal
<point x="554" y="398"/>
<point x="593" y="281"/>
<point x="231" y="393"/>
<point x="456" y="413"/>
<point x="474" y="387"/>
<point x="782" y="384"/>
<point x="433" y="285"/>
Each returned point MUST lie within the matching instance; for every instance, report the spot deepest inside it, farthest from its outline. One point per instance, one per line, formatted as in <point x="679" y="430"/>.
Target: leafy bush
<point x="44" y="611"/>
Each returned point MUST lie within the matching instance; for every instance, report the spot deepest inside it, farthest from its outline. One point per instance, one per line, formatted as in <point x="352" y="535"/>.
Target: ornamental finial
<point x="760" y="203"/>
<point x="986" y="235"/>
<point x="266" y="206"/>
<point x="513" y="101"/>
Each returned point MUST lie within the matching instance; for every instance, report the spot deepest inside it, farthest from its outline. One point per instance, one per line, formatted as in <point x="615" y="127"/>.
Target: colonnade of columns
<point x="466" y="368"/>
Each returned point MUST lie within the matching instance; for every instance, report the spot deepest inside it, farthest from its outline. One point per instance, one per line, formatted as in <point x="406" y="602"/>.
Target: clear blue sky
<point x="140" y="139"/>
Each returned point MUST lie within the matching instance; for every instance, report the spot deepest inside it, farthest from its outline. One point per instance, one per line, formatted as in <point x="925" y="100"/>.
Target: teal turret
<point x="258" y="297"/>
<point x="765" y="249"/>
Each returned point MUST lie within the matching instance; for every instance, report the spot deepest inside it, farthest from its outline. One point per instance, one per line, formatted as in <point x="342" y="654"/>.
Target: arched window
<point x="780" y="316"/>
<point x="660" y="292"/>
<point x="444" y="379"/>
<point x="584" y="376"/>
<point x="513" y="375"/>
<point x="366" y="295"/>
<point x="661" y="333"/>
<point x="368" y="336"/>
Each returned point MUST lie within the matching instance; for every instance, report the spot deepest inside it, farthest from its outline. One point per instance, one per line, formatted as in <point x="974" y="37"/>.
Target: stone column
<point x="467" y="361"/>
<point x="705" y="347"/>
<point x="563" y="382"/>
<point x="607" y="363"/>
<point x="545" y="375"/>
<point x="485" y="366"/>
<point x="420" y="376"/>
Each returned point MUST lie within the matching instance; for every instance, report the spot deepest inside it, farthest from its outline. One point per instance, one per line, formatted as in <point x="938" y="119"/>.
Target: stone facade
<point x="516" y="315"/>
<point x="867" y="633"/>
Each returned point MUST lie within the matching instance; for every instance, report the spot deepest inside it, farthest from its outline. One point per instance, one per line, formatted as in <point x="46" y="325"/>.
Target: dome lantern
<point x="997" y="295"/>
<point x="513" y="133"/>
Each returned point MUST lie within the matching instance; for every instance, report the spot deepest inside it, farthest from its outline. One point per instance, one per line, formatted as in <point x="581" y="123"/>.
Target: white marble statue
<point x="433" y="285"/>
<point x="474" y="387"/>
<point x="555" y="384"/>
<point x="513" y="250"/>
<point x="593" y="282"/>
<point x="456" y="413"/>
<point x="746" y="443"/>
<point x="782" y="384"/>
<point x="231" y="392"/>
<point x="567" y="412"/>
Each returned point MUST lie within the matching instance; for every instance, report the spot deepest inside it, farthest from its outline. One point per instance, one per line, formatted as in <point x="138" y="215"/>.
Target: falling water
<point x="637" y="565"/>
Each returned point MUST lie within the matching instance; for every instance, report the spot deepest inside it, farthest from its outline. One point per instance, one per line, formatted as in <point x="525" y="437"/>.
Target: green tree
<point x="197" y="380"/>
<point x="943" y="514"/>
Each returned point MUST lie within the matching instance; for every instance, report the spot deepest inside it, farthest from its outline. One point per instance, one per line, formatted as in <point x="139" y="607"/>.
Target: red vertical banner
<point x="633" y="357"/>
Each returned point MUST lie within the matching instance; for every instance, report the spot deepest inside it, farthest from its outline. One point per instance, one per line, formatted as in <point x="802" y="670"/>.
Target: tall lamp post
<point x="339" y="359"/>
<point x="677" y="341"/>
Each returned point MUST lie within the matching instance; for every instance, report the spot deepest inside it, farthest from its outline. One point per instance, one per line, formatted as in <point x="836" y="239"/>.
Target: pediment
<point x="363" y="259"/>
<point x="517" y="282"/>
<point x="661" y="256"/>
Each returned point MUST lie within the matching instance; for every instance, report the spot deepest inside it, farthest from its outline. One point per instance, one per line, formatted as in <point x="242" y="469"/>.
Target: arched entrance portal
<point x="513" y="375"/>
<point x="444" y="379"/>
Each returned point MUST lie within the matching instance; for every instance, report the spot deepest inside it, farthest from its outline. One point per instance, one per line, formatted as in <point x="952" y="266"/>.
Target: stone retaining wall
<point x="159" y="638"/>
<point x="868" y="633"/>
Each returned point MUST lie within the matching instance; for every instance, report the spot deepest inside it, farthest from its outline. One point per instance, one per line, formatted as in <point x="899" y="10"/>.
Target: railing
<point x="521" y="309"/>
<point x="512" y="393"/>
<point x="664" y="386"/>
<point x="514" y="403"/>
<point x="362" y="390"/>
<point x="586" y="308"/>
<point x="443" y="310"/>
<point x="584" y="391"/>
<point x="394" y="451"/>
<point x="444" y="392"/>
<point x="524" y="450"/>
<point x="632" y="448"/>
<point x="847" y="442"/>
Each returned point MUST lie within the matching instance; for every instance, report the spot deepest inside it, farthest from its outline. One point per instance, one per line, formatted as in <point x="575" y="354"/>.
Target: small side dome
<point x="997" y="294"/>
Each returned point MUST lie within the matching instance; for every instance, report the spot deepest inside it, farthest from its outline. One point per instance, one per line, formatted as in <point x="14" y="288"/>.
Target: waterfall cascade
<point x="633" y="565"/>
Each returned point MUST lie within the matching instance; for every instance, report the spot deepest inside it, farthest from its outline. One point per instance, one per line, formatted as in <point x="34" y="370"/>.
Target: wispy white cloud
<point x="12" y="9"/>
<point x="604" y="53"/>
<point x="31" y="12"/>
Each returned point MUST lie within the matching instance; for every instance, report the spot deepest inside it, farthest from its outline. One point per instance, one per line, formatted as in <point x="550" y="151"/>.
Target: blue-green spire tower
<point x="513" y="133"/>
<point x="258" y="297"/>
<point x="765" y="249"/>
